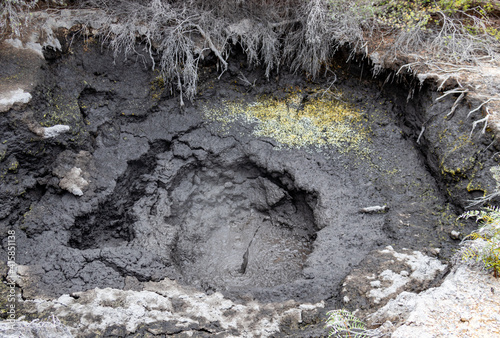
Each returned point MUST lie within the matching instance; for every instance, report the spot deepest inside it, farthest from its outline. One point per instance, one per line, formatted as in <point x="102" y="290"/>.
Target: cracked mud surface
<point x="173" y="195"/>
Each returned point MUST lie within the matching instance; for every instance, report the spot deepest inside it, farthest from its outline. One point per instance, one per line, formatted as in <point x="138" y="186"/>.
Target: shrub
<point x="303" y="35"/>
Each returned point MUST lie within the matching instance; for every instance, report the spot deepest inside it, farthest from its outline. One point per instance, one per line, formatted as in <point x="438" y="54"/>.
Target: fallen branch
<point x="443" y="82"/>
<point x="284" y="23"/>
<point x="453" y="91"/>
<point x="179" y="86"/>
<point x="462" y="92"/>
<point x="245" y="81"/>
<point x="481" y="200"/>
<point x="408" y="66"/>
<point x="457" y="101"/>
<point x="374" y="209"/>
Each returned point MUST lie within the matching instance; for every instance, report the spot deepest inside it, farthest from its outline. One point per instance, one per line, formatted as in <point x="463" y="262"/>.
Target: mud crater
<point x="239" y="228"/>
<point x="226" y="227"/>
<point x="171" y="196"/>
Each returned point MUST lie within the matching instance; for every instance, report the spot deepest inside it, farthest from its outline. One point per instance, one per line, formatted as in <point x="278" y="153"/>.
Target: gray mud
<point x="170" y="195"/>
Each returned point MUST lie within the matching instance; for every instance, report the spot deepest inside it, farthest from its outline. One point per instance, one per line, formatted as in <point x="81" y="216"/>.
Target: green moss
<point x="61" y="111"/>
<point x="449" y="171"/>
<point x="26" y="214"/>
<point x="64" y="109"/>
<point x="453" y="163"/>
<point x="475" y="186"/>
<point x="486" y="249"/>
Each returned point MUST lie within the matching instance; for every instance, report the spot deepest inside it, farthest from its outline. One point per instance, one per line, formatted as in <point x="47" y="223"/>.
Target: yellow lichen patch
<point x="296" y="122"/>
<point x="61" y="110"/>
<point x="472" y="186"/>
<point x="157" y="87"/>
<point x="13" y="166"/>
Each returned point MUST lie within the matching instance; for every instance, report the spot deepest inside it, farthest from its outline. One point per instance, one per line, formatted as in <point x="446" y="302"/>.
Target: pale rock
<point x="446" y="309"/>
<point x="33" y="46"/>
<point x="423" y="268"/>
<point x="18" y="96"/>
<point x="455" y="234"/>
<point x="133" y="309"/>
<point x="54" y="131"/>
<point x="435" y="251"/>
<point x="74" y="182"/>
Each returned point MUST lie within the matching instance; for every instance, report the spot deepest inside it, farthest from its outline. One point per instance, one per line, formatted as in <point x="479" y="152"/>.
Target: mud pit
<point x="238" y="229"/>
<point x="212" y="196"/>
<point x="223" y="228"/>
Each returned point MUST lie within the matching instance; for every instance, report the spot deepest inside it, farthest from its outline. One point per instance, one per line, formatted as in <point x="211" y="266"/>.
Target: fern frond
<point x="468" y="254"/>
<point x="343" y="323"/>
<point x="492" y="263"/>
<point x="469" y="214"/>
<point x="475" y="236"/>
<point x="493" y="209"/>
<point x="485" y="244"/>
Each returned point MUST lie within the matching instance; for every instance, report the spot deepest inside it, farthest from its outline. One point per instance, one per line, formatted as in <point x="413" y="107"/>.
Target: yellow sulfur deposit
<point x="296" y="122"/>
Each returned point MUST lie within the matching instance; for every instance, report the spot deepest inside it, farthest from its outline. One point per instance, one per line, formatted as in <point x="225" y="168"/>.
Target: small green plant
<point x="342" y="323"/>
<point x="484" y="244"/>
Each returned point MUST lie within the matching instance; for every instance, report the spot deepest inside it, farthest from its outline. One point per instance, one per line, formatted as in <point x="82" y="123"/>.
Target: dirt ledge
<point x="479" y="82"/>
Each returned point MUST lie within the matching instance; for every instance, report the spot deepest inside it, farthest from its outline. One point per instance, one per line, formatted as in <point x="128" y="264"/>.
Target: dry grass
<point x="460" y="39"/>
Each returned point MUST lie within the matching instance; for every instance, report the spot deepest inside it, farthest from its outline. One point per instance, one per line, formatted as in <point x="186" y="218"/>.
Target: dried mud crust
<point x="465" y="305"/>
<point x="457" y="149"/>
<point x="467" y="302"/>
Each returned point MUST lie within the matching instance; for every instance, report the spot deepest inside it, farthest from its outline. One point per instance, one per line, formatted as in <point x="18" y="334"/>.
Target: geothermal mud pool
<point x="254" y="192"/>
